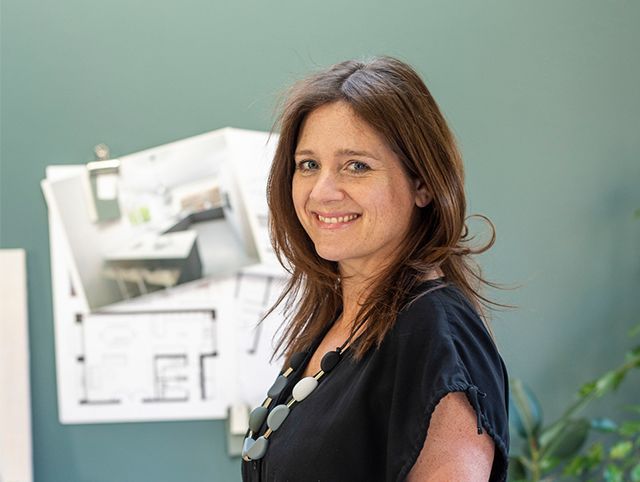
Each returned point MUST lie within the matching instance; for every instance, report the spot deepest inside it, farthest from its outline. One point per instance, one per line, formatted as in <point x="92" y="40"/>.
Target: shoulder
<point x="441" y="317"/>
<point x="440" y="328"/>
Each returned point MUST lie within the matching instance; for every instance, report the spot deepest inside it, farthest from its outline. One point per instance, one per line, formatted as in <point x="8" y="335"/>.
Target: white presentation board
<point x="15" y="405"/>
<point x="189" y="351"/>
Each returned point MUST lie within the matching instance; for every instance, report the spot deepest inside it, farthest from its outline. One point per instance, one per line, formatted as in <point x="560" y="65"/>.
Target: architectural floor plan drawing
<point x="149" y="357"/>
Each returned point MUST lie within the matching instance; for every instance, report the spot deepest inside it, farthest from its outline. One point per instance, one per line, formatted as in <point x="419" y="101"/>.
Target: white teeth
<point x="341" y="219"/>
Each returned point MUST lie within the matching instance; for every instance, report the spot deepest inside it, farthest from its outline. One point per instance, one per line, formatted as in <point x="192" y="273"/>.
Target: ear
<point x="422" y="194"/>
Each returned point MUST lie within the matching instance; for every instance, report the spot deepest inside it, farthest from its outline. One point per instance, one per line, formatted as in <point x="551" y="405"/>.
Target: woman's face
<point x="350" y="192"/>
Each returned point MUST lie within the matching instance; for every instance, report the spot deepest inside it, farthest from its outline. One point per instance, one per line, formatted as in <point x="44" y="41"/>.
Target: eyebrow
<point x="339" y="152"/>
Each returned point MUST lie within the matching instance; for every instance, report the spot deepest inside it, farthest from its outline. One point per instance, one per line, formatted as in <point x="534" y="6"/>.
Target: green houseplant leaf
<point x="620" y="450"/>
<point x="525" y="411"/>
<point x="566" y="440"/>
<point x="587" y="462"/>
<point x="516" y="470"/>
<point x="613" y="474"/>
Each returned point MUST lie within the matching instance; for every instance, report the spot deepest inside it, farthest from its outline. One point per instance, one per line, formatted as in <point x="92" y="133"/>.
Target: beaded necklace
<point x="254" y="449"/>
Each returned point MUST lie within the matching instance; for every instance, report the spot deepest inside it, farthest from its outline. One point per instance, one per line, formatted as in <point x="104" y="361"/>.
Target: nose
<point x="327" y="188"/>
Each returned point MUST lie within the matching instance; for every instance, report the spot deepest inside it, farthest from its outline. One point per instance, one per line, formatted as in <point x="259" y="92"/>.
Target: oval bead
<point x="248" y="443"/>
<point x="256" y="418"/>
<point x="303" y="388"/>
<point x="329" y="361"/>
<point x="258" y="449"/>
<point x="297" y="359"/>
<point x="277" y="387"/>
<point x="277" y="416"/>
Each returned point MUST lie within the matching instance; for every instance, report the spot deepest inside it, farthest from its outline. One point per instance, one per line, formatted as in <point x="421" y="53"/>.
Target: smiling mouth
<point x="338" y="219"/>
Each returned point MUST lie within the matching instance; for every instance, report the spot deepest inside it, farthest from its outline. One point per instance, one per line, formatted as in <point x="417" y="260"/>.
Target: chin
<point x="329" y="254"/>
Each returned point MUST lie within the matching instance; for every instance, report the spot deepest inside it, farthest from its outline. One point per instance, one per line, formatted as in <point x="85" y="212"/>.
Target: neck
<point x="356" y="287"/>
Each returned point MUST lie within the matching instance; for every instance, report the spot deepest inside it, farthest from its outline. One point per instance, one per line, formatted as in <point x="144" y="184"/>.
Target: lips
<point x="337" y="219"/>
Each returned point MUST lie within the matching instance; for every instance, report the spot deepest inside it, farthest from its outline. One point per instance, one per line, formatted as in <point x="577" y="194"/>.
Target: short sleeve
<point x="440" y="345"/>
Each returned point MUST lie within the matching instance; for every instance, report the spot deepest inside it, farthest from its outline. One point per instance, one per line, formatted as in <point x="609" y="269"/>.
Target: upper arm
<point x="453" y="449"/>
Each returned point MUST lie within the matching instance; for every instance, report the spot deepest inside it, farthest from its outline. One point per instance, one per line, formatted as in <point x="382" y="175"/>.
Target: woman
<point x="389" y="373"/>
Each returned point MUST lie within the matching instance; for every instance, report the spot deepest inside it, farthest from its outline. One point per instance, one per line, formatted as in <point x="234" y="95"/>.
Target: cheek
<point x="298" y="197"/>
<point x="389" y="198"/>
<point x="395" y="205"/>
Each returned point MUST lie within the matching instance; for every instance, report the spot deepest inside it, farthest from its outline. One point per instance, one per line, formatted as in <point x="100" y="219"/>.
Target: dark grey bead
<point x="277" y="387"/>
<point x="297" y="359"/>
<point x="256" y="418"/>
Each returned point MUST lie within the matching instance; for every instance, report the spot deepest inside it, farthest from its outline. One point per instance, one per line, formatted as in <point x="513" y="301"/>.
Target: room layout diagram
<point x="147" y="357"/>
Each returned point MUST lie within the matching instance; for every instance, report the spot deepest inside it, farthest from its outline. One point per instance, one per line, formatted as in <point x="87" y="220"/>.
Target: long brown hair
<point x="391" y="97"/>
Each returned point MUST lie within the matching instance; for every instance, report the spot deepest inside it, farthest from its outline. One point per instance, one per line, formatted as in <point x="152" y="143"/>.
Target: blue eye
<point x="358" y="167"/>
<point x="307" y="165"/>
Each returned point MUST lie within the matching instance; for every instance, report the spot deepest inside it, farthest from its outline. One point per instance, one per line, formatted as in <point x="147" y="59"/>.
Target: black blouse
<point x="367" y="420"/>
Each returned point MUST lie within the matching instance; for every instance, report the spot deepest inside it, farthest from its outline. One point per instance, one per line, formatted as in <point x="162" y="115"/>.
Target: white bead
<point x="303" y="388"/>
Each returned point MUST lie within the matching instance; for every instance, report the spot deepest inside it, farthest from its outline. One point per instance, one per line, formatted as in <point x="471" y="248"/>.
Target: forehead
<point x="336" y="126"/>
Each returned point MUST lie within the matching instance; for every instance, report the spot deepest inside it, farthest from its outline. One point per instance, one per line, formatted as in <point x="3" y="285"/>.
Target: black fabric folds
<point x="367" y="420"/>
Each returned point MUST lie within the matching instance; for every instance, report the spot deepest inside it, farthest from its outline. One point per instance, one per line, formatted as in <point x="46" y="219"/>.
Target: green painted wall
<point x="543" y="97"/>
